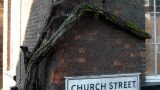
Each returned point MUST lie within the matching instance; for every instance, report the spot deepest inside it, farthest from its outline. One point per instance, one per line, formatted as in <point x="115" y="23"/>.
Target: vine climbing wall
<point x="92" y="47"/>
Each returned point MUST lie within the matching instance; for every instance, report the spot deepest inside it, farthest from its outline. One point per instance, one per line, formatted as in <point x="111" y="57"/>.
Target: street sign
<point x="104" y="82"/>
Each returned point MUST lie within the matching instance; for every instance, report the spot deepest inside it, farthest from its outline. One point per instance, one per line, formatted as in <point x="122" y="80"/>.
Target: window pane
<point x="149" y="7"/>
<point x="150" y="52"/>
<point x="149" y="26"/>
<point x="158" y="28"/>
<point x="152" y="1"/>
<point x="157" y="2"/>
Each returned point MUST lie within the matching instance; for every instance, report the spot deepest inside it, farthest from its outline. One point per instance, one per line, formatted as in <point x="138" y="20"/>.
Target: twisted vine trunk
<point x="34" y="58"/>
<point x="31" y="82"/>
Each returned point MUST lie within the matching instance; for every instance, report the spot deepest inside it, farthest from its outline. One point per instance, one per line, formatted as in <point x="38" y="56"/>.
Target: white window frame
<point x="155" y="77"/>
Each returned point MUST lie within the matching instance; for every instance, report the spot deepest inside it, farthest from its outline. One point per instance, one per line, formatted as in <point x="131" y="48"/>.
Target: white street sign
<point x="103" y="82"/>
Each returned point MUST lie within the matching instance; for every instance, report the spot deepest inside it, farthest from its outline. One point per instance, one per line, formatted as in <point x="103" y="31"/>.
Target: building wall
<point x="93" y="48"/>
<point x="29" y="16"/>
<point x="9" y="66"/>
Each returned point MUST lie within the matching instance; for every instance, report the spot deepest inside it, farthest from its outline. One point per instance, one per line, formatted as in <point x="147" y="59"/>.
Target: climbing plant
<point x="32" y="59"/>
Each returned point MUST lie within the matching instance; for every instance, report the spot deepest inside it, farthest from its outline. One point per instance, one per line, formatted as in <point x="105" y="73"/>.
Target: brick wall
<point x="95" y="48"/>
<point x="92" y="48"/>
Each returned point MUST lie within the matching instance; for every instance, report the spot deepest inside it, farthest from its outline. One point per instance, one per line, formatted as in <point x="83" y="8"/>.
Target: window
<point x="152" y="17"/>
<point x="146" y="2"/>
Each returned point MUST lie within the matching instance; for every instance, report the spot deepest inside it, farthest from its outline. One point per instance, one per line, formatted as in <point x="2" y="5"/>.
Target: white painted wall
<point x="20" y="10"/>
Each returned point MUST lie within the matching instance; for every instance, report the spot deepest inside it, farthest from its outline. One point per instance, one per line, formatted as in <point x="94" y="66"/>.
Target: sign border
<point x="102" y="76"/>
